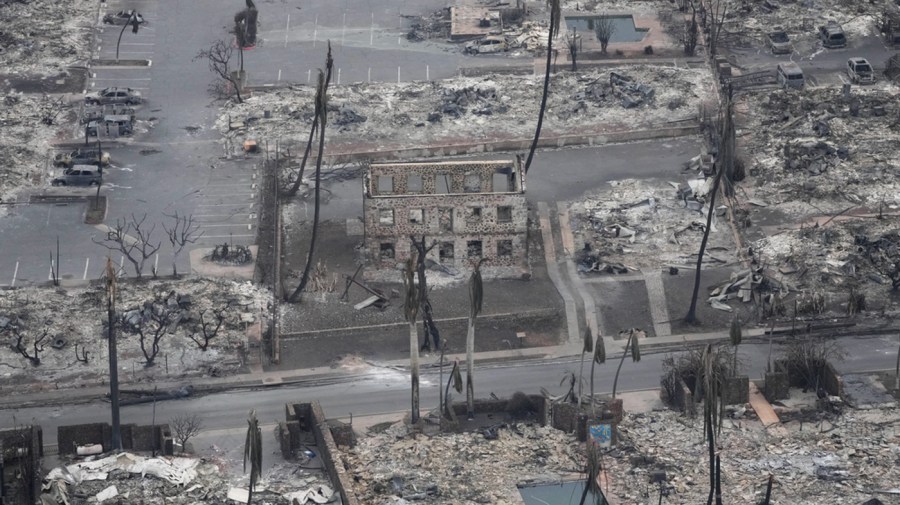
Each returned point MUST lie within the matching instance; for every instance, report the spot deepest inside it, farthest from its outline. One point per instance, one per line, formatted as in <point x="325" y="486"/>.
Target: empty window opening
<point x="416" y="216"/>
<point x="504" y="214"/>
<point x="387" y="251"/>
<point x="501" y="183"/>
<point x="386" y="217"/>
<point x="442" y="183"/>
<point x="474" y="248"/>
<point x="414" y="183"/>
<point x="473" y="214"/>
<point x="446" y="252"/>
<point x="446" y="219"/>
<point x="385" y="185"/>
<point x="472" y="183"/>
<point x="504" y="248"/>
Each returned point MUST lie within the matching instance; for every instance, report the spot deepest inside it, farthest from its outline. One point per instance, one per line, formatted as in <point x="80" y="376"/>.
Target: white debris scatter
<point x="638" y="224"/>
<point x="77" y="316"/>
<point x="458" y="469"/>
<point x="25" y="138"/>
<point x="467" y="109"/>
<point x="824" y="459"/>
<point x="43" y="37"/>
<point x="800" y="19"/>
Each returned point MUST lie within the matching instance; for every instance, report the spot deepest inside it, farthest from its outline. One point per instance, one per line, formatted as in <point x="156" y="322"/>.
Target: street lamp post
<point x="133" y="21"/>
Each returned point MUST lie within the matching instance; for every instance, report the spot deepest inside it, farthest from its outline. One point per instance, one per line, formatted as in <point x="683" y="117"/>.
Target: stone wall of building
<point x="134" y="437"/>
<point x="736" y="390"/>
<point x="473" y="210"/>
<point x="21" y="450"/>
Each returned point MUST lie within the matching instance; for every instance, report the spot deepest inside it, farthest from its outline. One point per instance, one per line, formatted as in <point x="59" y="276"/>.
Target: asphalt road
<point x="386" y="390"/>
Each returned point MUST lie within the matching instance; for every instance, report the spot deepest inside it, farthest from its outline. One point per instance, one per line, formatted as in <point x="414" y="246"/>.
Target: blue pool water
<point x="566" y="493"/>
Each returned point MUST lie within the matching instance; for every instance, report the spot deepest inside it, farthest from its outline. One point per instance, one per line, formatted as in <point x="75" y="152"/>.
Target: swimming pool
<point x="624" y="29"/>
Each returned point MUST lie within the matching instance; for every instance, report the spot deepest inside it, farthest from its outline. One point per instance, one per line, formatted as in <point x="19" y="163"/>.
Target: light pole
<point x="133" y="21"/>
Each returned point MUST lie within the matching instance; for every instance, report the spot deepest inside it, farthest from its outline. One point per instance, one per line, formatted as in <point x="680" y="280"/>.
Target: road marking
<point x="156" y="265"/>
<point x="87" y="261"/>
<point x="279" y="74"/>
<point x="339" y="77"/>
<point x="226" y="236"/>
<point x="207" y="225"/>
<point x="116" y="79"/>
<point x="15" y="273"/>
<point x="50" y="275"/>
<point x="225" y="204"/>
<point x="121" y="266"/>
<point x="316" y="31"/>
<point x="370" y="75"/>
<point x="308" y="75"/>
<point x="286" y="28"/>
<point x="138" y="44"/>
<point x="48" y="214"/>
<point x="398" y="74"/>
<point x="427" y="73"/>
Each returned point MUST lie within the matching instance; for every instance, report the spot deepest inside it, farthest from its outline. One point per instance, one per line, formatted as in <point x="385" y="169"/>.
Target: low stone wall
<point x="736" y="390"/>
<point x="682" y="398"/>
<point x="329" y="452"/>
<point x="566" y="417"/>
<point x="134" y="437"/>
<point x="21" y="450"/>
<point x="492" y="406"/>
<point x="777" y="386"/>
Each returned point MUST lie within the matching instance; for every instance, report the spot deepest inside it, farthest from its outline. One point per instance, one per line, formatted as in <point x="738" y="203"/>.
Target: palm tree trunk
<point x="616" y="379"/>
<point x="897" y="372"/>
<point x="537" y="132"/>
<point x="309" y="141"/>
<point x="580" y="375"/>
<point x="691" y="316"/>
<point x="470" y="367"/>
<point x="414" y="369"/>
<point x="593" y="362"/>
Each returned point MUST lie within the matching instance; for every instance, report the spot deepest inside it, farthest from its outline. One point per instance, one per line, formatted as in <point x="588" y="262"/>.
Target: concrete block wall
<point x="143" y="438"/>
<point x="21" y="450"/>
<point x="736" y="390"/>
<point x="68" y="437"/>
<point x="330" y="456"/>
<point x="777" y="386"/>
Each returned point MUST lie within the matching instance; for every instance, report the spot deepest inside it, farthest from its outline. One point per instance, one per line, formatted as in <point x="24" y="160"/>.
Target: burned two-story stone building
<point x="473" y="210"/>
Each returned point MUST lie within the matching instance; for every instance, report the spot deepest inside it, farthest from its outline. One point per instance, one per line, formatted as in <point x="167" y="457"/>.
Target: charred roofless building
<point x="473" y="210"/>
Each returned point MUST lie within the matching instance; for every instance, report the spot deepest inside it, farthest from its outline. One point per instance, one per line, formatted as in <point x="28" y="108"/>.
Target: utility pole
<point x="113" y="357"/>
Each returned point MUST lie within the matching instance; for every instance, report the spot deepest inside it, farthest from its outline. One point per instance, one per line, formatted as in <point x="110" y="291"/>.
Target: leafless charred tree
<point x="133" y="239"/>
<point x="184" y="231"/>
<point x="209" y="328"/>
<point x="228" y="82"/>
<point x="572" y="44"/>
<point x="82" y="357"/>
<point x="604" y="29"/>
<point x="186" y="427"/>
<point x="715" y="17"/>
<point x="808" y="356"/>
<point x="155" y="320"/>
<point x="31" y="351"/>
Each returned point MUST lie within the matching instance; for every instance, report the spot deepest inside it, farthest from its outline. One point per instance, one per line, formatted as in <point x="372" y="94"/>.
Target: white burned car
<point x="860" y="71"/>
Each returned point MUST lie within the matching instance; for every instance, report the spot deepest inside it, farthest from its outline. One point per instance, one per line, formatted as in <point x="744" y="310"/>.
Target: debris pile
<point x="463" y="109"/>
<point x="396" y="466"/>
<point x="40" y="38"/>
<point x="822" y="170"/>
<point x="28" y="125"/>
<point x="72" y="323"/>
<point x="824" y="459"/>
<point x="131" y="478"/>
<point x="225" y="254"/>
<point x="638" y="224"/>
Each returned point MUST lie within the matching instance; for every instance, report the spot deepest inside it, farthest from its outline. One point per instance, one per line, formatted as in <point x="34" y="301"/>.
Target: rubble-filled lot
<point x="43" y="37"/>
<point x="131" y="478"/>
<point x="843" y="459"/>
<point x="73" y="317"/>
<point x="822" y="188"/>
<point x="28" y="126"/>
<point x="396" y="465"/>
<point x="641" y="224"/>
<point x="463" y="110"/>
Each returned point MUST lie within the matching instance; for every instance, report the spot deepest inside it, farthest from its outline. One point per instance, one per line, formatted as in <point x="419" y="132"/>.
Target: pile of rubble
<point x="823" y="165"/>
<point x="638" y="224"/>
<point x="131" y="478"/>
<point x="845" y="459"/>
<point x="40" y="38"/>
<point x="397" y="467"/>
<point x="467" y="109"/>
<point x="72" y="323"/>
<point x="28" y="125"/>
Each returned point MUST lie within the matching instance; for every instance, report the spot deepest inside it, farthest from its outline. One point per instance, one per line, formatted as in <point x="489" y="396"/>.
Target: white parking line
<point x="50" y="275"/>
<point x="156" y="264"/>
<point x="115" y="79"/>
<point x="226" y="204"/>
<point x="15" y="273"/>
<point x="226" y="236"/>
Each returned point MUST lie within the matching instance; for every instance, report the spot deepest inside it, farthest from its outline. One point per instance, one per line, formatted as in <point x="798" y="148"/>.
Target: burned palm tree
<point x="631" y="343"/>
<point x="476" y="294"/>
<point x="588" y="348"/>
<point x="598" y="359"/>
<point x="735" y="335"/>
<point x="322" y="114"/>
<point x="555" y="16"/>
<point x="410" y="310"/>
<point x="253" y="452"/>
<point x="455" y="379"/>
<point x="592" y="470"/>
<point x="329" y="65"/>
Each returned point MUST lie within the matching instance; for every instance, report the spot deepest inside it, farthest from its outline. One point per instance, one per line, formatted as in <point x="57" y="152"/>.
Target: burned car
<point x="832" y="35"/>
<point x="779" y="42"/>
<point x="489" y="44"/>
<point x="122" y="17"/>
<point x="98" y="112"/>
<point x="82" y="156"/>
<point x="114" y="96"/>
<point x="860" y="71"/>
<point x="79" y="175"/>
